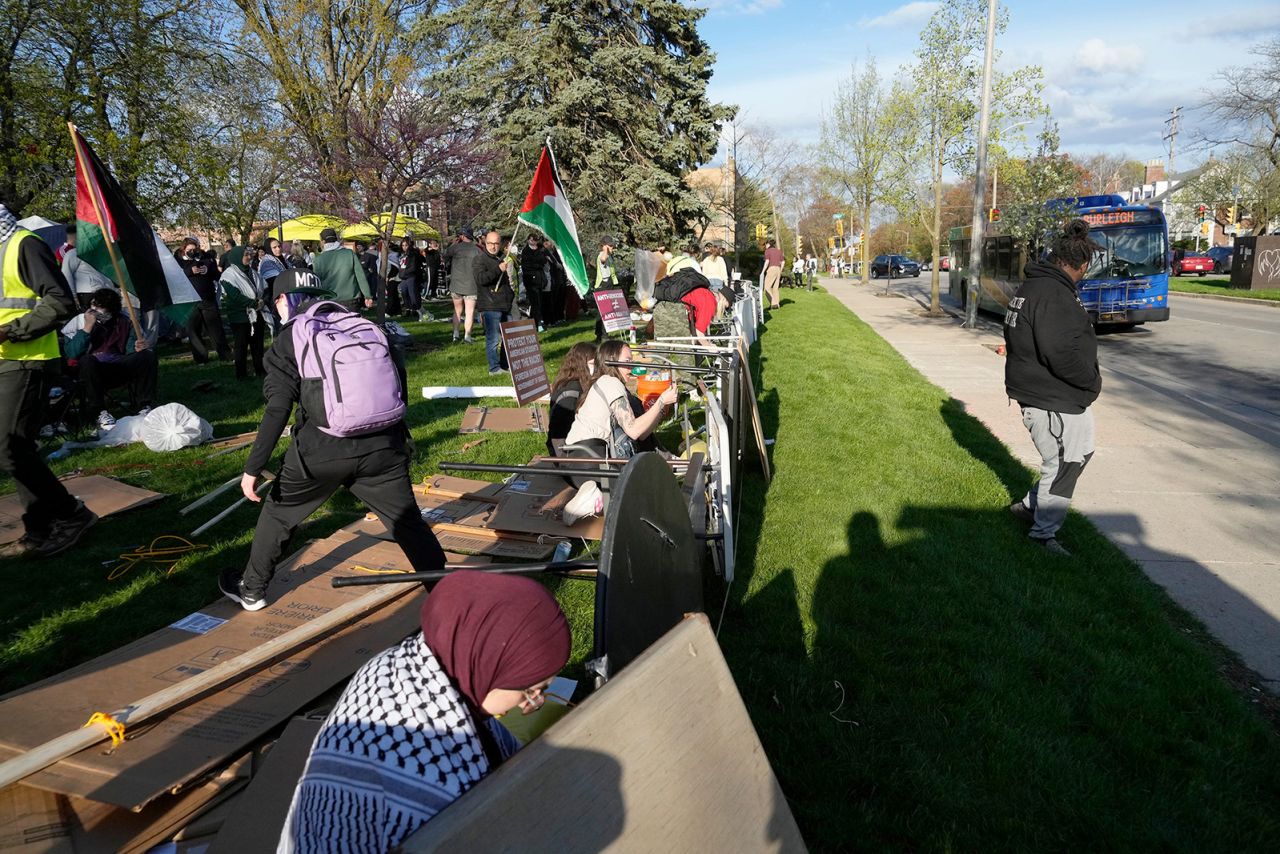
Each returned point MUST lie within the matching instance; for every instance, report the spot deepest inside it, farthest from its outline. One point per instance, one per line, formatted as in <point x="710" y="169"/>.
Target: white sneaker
<point x="105" y="420"/>
<point x="588" y="502"/>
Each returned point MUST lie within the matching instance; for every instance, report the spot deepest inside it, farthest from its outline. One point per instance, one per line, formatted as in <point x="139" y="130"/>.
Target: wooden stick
<point x="106" y="237"/>
<point x="57" y="749"/>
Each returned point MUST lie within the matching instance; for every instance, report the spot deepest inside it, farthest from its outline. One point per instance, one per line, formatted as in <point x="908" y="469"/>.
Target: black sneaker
<point x="1022" y="511"/>
<point x="1051" y="545"/>
<point x="65" y="533"/>
<point x="231" y="583"/>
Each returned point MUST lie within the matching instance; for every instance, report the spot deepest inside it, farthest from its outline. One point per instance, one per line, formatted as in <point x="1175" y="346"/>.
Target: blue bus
<point x="1127" y="284"/>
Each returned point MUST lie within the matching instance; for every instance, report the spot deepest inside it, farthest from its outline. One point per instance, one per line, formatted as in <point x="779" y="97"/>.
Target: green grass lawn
<point x="62" y="611"/>
<point x="922" y="677"/>
<point x="1219" y="285"/>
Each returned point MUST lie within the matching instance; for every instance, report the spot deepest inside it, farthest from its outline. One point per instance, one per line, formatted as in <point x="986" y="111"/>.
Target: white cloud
<point x="1099" y="57"/>
<point x="906" y="15"/>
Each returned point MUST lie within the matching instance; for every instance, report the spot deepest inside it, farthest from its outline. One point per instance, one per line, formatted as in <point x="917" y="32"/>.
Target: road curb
<point x="1269" y="303"/>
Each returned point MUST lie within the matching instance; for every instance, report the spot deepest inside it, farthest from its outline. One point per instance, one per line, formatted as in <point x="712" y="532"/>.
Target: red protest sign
<point x="524" y="357"/>
<point x="614" y="313"/>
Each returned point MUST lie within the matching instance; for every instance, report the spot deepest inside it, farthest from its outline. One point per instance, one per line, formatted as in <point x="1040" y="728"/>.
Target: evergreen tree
<point x="619" y="86"/>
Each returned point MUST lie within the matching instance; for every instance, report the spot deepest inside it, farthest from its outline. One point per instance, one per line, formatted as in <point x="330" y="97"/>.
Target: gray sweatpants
<point x="1065" y="443"/>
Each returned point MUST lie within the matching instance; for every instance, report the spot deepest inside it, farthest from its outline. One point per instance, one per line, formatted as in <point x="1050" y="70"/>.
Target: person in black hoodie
<point x="205" y="318"/>
<point x="1051" y="370"/>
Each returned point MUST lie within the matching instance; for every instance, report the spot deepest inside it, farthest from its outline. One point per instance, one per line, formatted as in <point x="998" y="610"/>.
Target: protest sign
<point x="524" y="356"/>
<point x="614" y="313"/>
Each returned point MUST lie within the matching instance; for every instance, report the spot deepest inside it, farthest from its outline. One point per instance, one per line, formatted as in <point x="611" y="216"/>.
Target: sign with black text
<point x="524" y="357"/>
<point x="614" y="313"/>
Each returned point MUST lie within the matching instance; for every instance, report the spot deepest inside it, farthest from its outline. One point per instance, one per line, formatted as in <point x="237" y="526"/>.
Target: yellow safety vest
<point x="16" y="300"/>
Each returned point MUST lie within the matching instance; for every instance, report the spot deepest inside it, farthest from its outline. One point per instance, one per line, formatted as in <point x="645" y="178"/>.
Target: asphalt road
<point x="1186" y="478"/>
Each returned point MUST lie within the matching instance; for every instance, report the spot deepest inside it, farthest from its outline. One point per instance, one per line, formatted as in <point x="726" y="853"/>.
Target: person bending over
<point x="566" y="393"/>
<point x="109" y="355"/>
<point x="606" y="425"/>
<point x="415" y="727"/>
<point x="1052" y="371"/>
<point x="374" y="464"/>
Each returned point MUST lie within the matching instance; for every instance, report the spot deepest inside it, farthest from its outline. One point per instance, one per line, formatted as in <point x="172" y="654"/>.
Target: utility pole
<point x="1174" y="122"/>
<point x="980" y="178"/>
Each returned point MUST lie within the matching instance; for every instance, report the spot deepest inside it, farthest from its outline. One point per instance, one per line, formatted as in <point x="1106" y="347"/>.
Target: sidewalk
<point x="1209" y="509"/>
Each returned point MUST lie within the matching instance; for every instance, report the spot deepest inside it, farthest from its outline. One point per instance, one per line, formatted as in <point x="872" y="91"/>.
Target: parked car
<point x="1221" y="256"/>
<point x="1201" y="264"/>
<point x="893" y="266"/>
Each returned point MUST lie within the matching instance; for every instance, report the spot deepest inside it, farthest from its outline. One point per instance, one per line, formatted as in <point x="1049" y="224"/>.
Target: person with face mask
<point x="242" y="304"/>
<point x="108" y="355"/>
<point x="206" y="318"/>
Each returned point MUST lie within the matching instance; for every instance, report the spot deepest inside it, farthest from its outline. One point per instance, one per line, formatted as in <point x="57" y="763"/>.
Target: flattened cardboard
<point x="254" y="825"/>
<point x="34" y="822"/>
<point x="201" y="736"/>
<point x="102" y="495"/>
<point x="486" y="419"/>
<point x="528" y="514"/>
<point x="630" y="768"/>
<point x="447" y="486"/>
<point x="461" y="545"/>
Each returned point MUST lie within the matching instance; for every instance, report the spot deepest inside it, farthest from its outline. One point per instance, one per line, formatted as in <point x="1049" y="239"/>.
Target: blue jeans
<point x="493" y="338"/>
<point x="409" y="294"/>
<point x="716" y="284"/>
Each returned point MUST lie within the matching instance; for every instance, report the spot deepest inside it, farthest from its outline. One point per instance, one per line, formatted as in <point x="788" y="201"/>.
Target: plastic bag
<point x="173" y="426"/>
<point x="125" y="432"/>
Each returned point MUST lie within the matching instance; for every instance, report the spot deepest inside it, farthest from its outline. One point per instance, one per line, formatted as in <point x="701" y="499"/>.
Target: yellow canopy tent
<point x="308" y="226"/>
<point x="404" y="225"/>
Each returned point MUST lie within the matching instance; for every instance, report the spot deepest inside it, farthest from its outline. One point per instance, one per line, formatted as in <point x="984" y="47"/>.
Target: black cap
<point x="608" y="240"/>
<point x="328" y="235"/>
<point x="298" y="282"/>
<point x="465" y="231"/>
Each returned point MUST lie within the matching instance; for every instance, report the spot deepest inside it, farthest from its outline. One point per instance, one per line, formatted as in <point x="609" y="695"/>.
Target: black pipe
<point x="592" y="473"/>
<point x="563" y="568"/>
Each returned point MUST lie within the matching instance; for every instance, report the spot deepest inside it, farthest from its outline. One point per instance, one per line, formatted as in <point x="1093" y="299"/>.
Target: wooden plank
<point x="663" y="757"/>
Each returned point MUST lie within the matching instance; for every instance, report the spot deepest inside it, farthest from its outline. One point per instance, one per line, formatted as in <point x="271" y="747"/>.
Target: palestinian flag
<point x="106" y="218"/>
<point x="546" y="208"/>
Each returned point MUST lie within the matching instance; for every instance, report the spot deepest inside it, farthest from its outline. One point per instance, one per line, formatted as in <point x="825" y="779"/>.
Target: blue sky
<point x="1112" y="70"/>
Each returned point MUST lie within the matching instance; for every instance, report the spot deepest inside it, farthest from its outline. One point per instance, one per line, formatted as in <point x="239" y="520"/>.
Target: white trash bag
<point x="173" y="426"/>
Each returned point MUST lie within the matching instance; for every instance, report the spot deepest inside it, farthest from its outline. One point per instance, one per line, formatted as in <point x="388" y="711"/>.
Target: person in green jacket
<point x="341" y="273"/>
<point x="241" y="289"/>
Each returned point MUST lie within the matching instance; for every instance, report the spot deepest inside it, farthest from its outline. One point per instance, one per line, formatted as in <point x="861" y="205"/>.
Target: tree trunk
<point x="866" y="235"/>
<point x="935" y="237"/>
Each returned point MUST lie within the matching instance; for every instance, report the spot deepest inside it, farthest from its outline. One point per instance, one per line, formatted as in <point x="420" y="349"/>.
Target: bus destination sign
<point x="1101" y="219"/>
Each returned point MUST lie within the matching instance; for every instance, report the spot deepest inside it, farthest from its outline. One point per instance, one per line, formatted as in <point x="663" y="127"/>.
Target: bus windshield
<point x="1128" y="252"/>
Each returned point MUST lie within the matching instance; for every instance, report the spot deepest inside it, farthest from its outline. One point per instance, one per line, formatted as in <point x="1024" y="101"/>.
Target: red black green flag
<point x="107" y="219"/>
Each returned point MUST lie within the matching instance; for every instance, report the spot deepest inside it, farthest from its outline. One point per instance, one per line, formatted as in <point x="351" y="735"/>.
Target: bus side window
<point x="989" y="256"/>
<point x="1004" y="257"/>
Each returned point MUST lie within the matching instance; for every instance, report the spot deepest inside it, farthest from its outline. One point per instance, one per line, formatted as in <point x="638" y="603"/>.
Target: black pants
<point x="22" y="401"/>
<point x="380" y="479"/>
<point x="136" y="370"/>
<point x="248" y="341"/>
<point x="206" y="319"/>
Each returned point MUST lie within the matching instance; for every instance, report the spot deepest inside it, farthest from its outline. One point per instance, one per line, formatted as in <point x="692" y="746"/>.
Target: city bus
<point x="1127" y="284"/>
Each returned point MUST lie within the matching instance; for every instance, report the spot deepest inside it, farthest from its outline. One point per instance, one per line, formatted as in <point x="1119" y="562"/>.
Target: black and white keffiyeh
<point x="8" y="223"/>
<point x="399" y="746"/>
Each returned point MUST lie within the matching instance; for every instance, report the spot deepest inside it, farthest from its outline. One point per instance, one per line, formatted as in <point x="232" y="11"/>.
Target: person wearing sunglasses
<point x="415" y="727"/>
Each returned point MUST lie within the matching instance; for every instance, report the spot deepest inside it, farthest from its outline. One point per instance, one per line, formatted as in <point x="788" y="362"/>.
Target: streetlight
<point x="279" y="221"/>
<point x="995" y="164"/>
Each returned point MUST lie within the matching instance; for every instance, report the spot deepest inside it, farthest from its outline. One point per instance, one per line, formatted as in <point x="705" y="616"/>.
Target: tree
<point x="621" y="89"/>
<point x="1110" y="173"/>
<point x="944" y="90"/>
<point x="858" y="140"/>
<point x="1245" y="115"/>
<point x="411" y="143"/>
<point x="1025" y="185"/>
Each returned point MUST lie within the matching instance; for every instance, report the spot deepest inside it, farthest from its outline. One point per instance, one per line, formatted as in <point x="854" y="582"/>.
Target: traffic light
<point x="993" y="215"/>
<point x="1206" y="228"/>
<point x="831" y="243"/>
<point x="1231" y="215"/>
<point x="1200" y="212"/>
<point x="840" y="227"/>
<point x="759" y="231"/>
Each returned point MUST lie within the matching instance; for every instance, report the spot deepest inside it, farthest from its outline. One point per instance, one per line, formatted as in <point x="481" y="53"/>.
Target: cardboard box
<point x="486" y="419"/>
<point x="166" y="753"/>
<point x="102" y="495"/>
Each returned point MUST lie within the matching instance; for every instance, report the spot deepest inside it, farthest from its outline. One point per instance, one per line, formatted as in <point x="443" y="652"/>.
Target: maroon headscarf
<point x="494" y="631"/>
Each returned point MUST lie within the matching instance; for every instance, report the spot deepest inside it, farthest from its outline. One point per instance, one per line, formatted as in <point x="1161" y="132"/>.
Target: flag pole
<point x="106" y="233"/>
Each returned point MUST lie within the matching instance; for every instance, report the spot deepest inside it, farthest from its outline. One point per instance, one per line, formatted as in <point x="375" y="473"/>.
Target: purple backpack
<point x="349" y="382"/>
